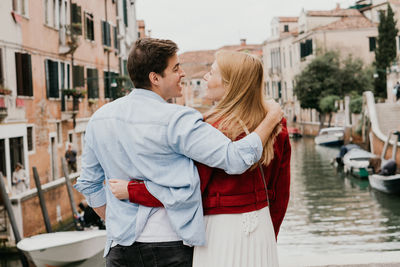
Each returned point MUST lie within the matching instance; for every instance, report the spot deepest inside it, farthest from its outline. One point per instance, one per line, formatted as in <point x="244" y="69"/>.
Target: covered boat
<point x="330" y="136"/>
<point x="356" y="162"/>
<point x="63" y="248"/>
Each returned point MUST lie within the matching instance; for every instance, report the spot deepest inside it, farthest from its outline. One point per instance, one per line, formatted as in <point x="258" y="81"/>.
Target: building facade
<point x="295" y="41"/>
<point x="60" y="60"/>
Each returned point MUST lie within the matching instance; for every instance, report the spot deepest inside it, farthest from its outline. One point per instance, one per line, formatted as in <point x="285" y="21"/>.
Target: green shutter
<point x="125" y="13"/>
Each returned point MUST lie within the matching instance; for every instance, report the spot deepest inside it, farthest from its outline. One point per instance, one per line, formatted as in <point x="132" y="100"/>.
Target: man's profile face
<point x="170" y="82"/>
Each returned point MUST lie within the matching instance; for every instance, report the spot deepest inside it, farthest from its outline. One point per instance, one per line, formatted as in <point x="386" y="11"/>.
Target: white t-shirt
<point x="158" y="229"/>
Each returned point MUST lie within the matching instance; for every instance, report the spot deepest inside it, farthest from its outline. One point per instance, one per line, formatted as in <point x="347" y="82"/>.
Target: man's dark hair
<point x="149" y="55"/>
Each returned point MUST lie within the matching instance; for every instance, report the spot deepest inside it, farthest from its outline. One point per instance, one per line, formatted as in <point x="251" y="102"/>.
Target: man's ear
<point x="153" y="77"/>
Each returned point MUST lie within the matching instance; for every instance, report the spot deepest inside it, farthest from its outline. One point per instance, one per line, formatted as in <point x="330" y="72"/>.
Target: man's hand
<point x="119" y="188"/>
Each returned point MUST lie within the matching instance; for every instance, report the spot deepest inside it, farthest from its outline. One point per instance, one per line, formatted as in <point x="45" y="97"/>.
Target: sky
<point x="210" y="24"/>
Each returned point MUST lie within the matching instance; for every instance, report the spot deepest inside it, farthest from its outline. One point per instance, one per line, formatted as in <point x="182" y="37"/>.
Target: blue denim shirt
<point x="143" y="136"/>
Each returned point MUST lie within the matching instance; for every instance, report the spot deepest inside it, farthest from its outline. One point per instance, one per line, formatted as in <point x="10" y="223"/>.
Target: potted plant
<point x="5" y="91"/>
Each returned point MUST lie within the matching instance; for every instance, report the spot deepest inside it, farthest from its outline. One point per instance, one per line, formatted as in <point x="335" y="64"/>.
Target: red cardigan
<point x="228" y="194"/>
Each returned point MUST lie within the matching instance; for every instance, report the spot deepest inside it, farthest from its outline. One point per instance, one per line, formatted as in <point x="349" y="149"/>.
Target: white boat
<point x="387" y="182"/>
<point x="63" y="248"/>
<point x="356" y="162"/>
<point x="330" y="136"/>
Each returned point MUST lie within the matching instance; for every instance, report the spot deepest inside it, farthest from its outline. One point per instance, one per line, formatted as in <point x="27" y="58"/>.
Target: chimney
<point x="242" y="42"/>
<point x="337" y="6"/>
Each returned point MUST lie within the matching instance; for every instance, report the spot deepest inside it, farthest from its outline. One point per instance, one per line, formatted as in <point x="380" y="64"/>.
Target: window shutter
<point x="78" y="76"/>
<point x="103" y="27"/>
<point x="108" y="34"/>
<point x="106" y="85"/>
<point x="47" y="76"/>
<point x="372" y="44"/>
<point x="54" y="90"/>
<point x="18" y="69"/>
<point x="116" y="38"/>
<point x="1" y="69"/>
<point x="125" y="13"/>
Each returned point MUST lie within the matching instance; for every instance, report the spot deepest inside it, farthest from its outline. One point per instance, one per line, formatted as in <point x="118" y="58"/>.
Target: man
<point x="143" y="136"/>
<point x="70" y="156"/>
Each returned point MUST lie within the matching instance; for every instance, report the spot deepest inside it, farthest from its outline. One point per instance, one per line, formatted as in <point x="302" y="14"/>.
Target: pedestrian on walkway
<point x="239" y="227"/>
<point x="70" y="156"/>
<point x="19" y="183"/>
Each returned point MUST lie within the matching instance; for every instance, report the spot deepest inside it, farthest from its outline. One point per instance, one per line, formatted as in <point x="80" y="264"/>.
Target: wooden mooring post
<point x="11" y="217"/>
<point x="41" y="200"/>
<point x="70" y="193"/>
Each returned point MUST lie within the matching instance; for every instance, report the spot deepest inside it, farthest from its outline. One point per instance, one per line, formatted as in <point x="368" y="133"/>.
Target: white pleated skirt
<point x="238" y="240"/>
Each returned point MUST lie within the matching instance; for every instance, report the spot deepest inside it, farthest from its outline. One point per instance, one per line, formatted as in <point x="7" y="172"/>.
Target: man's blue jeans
<point x="158" y="254"/>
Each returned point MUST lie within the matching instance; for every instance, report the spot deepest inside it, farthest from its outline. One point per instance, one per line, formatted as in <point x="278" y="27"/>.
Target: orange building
<point x="60" y="60"/>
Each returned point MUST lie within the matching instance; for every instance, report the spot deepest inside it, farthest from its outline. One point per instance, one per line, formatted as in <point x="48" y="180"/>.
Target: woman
<point x="239" y="228"/>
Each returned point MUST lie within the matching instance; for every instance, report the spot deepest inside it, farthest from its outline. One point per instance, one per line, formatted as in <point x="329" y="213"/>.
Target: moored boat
<point x="294" y="132"/>
<point x="330" y="136"/>
<point x="63" y="248"/>
<point x="356" y="162"/>
<point x="387" y="181"/>
<point x="388" y="184"/>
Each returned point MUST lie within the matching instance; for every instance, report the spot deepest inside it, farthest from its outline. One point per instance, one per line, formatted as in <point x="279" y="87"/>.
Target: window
<point x="52" y="87"/>
<point x="125" y="7"/>
<point x="279" y="90"/>
<point x="3" y="168"/>
<point x="105" y="26"/>
<point x="286" y="28"/>
<point x="109" y="79"/>
<point x="290" y="57"/>
<point x="78" y="76"/>
<point x="15" y="5"/>
<point x="372" y="44"/>
<point x="70" y="138"/>
<point x="24" y="74"/>
<point x="306" y="48"/>
<point x="30" y="138"/>
<point x="68" y="76"/>
<point x="62" y="75"/>
<point x="55" y="13"/>
<point x="399" y="45"/>
<point x="46" y="12"/>
<point x="125" y="67"/>
<point x="89" y="27"/>
<point x="76" y="19"/>
<point x="1" y="68"/>
<point x="59" y="132"/>
<point x="16" y="151"/>
<point x="116" y="46"/>
<point x="92" y="83"/>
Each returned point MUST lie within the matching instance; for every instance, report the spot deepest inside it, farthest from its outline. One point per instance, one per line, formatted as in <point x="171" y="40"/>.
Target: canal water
<point x="331" y="213"/>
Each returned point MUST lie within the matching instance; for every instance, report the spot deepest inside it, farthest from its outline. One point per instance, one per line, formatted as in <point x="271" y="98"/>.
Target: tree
<point x="318" y="79"/>
<point x="327" y="105"/>
<point x="327" y="75"/>
<point x="385" y="52"/>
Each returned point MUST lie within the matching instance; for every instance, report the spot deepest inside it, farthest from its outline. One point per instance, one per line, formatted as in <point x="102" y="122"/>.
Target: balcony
<point x="70" y="103"/>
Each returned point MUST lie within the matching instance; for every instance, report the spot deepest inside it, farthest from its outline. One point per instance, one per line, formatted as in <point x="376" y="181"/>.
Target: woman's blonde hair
<point x="242" y="77"/>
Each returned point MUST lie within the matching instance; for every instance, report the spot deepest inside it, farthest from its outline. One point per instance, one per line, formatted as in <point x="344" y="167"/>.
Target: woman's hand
<point x="119" y="188"/>
<point x="274" y="111"/>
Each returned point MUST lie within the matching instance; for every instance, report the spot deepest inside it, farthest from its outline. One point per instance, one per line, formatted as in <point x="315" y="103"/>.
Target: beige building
<point x="295" y="41"/>
<point x="59" y="62"/>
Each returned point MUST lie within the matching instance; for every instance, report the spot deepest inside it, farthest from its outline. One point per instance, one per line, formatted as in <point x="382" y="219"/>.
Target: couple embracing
<point x="166" y="178"/>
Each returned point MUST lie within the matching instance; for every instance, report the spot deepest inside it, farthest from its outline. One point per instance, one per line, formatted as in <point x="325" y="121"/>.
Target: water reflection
<point x="332" y="212"/>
